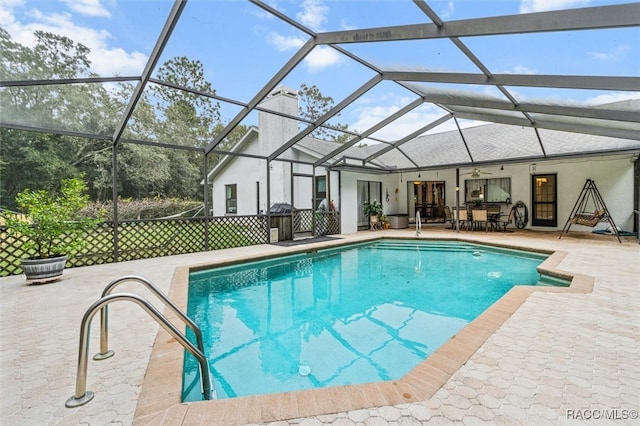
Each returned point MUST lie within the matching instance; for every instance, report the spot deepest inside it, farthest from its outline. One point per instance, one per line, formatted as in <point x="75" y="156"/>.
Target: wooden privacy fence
<point x="144" y="239"/>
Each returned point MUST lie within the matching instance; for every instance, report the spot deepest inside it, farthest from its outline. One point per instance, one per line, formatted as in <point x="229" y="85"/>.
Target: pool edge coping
<point x="159" y="399"/>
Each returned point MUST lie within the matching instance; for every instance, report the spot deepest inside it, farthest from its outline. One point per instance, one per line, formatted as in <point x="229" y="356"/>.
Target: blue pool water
<point x="356" y="314"/>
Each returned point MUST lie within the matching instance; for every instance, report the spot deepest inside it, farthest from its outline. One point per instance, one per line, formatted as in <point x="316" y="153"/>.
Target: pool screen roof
<point x="469" y="110"/>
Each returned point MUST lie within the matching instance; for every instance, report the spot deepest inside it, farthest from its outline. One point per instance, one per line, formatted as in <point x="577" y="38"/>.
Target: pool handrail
<point x="104" y="321"/>
<point x="82" y="396"/>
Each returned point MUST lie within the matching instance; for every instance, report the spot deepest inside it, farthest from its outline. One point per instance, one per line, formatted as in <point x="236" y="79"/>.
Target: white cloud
<point x="528" y="6"/>
<point x="87" y="7"/>
<point x="318" y="59"/>
<point x="313" y="14"/>
<point x="284" y="43"/>
<point x="448" y="12"/>
<point x="615" y="54"/>
<point x="322" y="57"/>
<point x="612" y="97"/>
<point x="105" y="60"/>
<point x="371" y="113"/>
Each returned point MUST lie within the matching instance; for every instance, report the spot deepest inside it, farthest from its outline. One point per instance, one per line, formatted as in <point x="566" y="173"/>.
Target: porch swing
<point x="581" y="214"/>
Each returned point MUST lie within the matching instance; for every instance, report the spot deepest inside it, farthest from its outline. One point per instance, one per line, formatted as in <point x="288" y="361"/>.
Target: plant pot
<point x="43" y="270"/>
<point x="374" y="223"/>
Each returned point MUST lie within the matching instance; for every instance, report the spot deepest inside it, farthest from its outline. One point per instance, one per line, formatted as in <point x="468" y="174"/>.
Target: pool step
<point x="457" y="247"/>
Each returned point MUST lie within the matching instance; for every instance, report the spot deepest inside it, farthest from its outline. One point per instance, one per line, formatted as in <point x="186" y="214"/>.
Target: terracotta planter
<point x="43" y="270"/>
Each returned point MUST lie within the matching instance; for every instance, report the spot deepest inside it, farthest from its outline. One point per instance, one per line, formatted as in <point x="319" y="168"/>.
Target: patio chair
<point x="480" y="219"/>
<point x="506" y="222"/>
<point x="448" y="217"/>
<point x="461" y="215"/>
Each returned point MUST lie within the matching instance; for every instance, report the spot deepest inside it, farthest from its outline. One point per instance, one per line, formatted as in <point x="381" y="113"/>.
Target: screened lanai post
<point x="293" y="200"/>
<point x="205" y="200"/>
<point x="457" y="211"/>
<point x="268" y="212"/>
<point x="314" y="222"/>
<point x="114" y="184"/>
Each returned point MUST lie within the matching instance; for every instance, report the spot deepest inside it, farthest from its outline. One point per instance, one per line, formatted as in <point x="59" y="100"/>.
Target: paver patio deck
<point x="557" y="356"/>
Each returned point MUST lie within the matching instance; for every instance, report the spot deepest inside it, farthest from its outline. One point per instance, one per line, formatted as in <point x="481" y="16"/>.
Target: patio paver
<point x="556" y="356"/>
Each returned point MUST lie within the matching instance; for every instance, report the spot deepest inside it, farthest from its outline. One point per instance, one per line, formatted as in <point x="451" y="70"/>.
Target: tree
<point x="163" y="114"/>
<point x="315" y="105"/>
<point x="42" y="160"/>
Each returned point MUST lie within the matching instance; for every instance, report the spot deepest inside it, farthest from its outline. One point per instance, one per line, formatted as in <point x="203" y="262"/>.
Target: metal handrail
<point x="104" y="313"/>
<point x="418" y="224"/>
<point x="82" y="396"/>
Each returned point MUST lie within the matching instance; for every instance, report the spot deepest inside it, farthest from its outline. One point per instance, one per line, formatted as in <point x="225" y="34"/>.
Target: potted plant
<point x="52" y="227"/>
<point x="374" y="211"/>
<point x="385" y="221"/>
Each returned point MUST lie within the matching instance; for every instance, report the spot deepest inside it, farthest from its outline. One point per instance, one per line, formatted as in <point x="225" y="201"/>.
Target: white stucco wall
<point x="612" y="174"/>
<point x="244" y="173"/>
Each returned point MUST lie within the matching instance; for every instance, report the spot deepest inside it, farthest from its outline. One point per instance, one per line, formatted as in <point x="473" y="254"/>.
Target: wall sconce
<point x="501" y="167"/>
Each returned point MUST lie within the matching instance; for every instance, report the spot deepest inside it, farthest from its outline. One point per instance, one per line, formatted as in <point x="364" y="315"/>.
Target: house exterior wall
<point x="613" y="176"/>
<point x="244" y="172"/>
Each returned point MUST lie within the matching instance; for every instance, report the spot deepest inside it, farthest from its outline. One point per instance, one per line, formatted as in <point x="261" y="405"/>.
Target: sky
<point x="242" y="47"/>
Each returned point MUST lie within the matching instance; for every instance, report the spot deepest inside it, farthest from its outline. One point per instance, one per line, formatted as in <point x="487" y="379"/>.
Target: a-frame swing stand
<point x="590" y="196"/>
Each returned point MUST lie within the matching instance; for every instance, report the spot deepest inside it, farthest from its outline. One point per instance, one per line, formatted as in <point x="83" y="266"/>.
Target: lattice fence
<point x="326" y="223"/>
<point x="303" y="221"/>
<point x="143" y="239"/>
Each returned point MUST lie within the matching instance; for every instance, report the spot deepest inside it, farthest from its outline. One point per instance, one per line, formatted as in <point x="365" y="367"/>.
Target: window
<point x="231" y="199"/>
<point x="496" y="190"/>
<point x="321" y="190"/>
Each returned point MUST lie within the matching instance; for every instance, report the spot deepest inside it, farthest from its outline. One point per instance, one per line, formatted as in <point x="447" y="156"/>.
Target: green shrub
<point x="52" y="223"/>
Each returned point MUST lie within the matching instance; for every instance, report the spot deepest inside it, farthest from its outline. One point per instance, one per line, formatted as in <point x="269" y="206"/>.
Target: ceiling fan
<point x="475" y="173"/>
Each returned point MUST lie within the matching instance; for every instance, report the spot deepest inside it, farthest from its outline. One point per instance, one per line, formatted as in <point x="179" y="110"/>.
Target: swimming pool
<point x="374" y="310"/>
